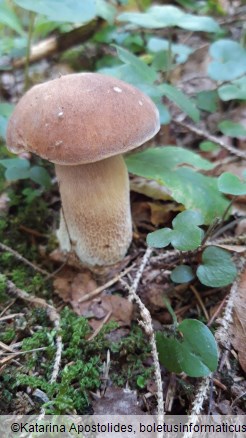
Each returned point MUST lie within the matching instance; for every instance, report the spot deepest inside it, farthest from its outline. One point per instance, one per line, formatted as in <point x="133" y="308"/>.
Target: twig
<point x="100" y="289"/>
<point x="217" y="312"/>
<point x="167" y="255"/>
<point x="7" y="317"/>
<point x="7" y="308"/>
<point x="54" y="44"/>
<point x="146" y="324"/>
<point x="28" y="49"/>
<point x="197" y="405"/>
<point x="222" y="332"/>
<point x="221" y="335"/>
<point x="228" y="240"/>
<point x="22" y="259"/>
<point x="195" y="292"/>
<point x="210" y="137"/>
<point x="171" y="255"/>
<point x="225" y="228"/>
<point x="53" y="317"/>
<point x="99" y="328"/>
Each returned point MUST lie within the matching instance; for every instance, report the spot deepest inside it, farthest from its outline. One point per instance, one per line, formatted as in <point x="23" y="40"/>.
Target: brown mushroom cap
<point x="81" y="118"/>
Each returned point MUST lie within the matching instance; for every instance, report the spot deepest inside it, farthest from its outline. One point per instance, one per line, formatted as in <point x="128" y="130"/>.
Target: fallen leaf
<point x="71" y="286"/>
<point x="119" y="308"/>
<point x="149" y="188"/>
<point x="239" y="322"/>
<point x="241" y="228"/>
<point x="140" y="214"/>
<point x="60" y="257"/>
<point x="162" y="213"/>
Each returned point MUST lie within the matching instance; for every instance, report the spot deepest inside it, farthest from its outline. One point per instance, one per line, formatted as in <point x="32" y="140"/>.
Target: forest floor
<point x="70" y="339"/>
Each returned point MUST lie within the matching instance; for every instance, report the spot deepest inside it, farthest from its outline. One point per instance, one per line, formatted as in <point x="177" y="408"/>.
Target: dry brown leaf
<point x="239" y="322"/>
<point x="149" y="188"/>
<point x="60" y="257"/>
<point x="140" y="213"/>
<point x="119" y="308"/>
<point x="241" y="228"/>
<point x="162" y="213"/>
<point x="153" y="213"/>
<point x="71" y="286"/>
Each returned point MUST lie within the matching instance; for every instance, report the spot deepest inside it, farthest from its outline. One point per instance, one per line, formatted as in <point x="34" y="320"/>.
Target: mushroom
<point x="83" y="123"/>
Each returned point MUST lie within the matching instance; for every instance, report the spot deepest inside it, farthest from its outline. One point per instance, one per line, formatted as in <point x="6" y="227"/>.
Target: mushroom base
<point x="95" y="216"/>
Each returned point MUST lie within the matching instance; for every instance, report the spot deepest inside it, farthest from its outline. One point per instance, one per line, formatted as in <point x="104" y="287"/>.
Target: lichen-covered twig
<point x="22" y="259"/>
<point x="202" y="133"/>
<point x="146" y="324"/>
<point x="53" y="317"/>
<point x="224" y="341"/>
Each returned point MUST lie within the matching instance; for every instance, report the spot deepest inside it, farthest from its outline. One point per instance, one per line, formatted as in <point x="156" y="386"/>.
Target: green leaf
<point x="195" y="354"/>
<point x="182" y="274"/>
<point x="169" y="352"/>
<point x="181" y="52"/>
<point x="188" y="218"/>
<point x="3" y="127"/>
<point x="217" y="268"/>
<point x="165" y="116"/>
<point x="30" y="194"/>
<point x="186" y="238"/>
<point x="20" y="163"/>
<point x="6" y="109"/>
<point x="229" y="60"/>
<point x="208" y="146"/>
<point x="5" y="112"/>
<point x="68" y="11"/>
<point x="16" y="173"/>
<point x="40" y="175"/>
<point x="200" y="353"/>
<point x="231" y="184"/>
<point x="186" y="235"/>
<point x="159" y="238"/>
<point x="168" y="166"/>
<point x="158" y="17"/>
<point x="234" y="90"/>
<point x="198" y="23"/>
<point x="10" y="19"/>
<point x="105" y="10"/>
<point x="142" y="19"/>
<point x="208" y="101"/>
<point x="181" y="100"/>
<point x="141" y="382"/>
<point x="232" y="129"/>
<point x="147" y="73"/>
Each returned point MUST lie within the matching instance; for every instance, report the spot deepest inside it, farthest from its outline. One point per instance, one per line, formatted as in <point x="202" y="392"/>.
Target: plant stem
<point x="28" y="49"/>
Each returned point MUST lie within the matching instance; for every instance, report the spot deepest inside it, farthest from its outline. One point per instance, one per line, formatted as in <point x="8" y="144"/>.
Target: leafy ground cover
<point x="70" y="341"/>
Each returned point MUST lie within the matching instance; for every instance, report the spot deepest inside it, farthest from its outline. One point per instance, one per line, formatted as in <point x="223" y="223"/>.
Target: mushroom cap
<point x="81" y="118"/>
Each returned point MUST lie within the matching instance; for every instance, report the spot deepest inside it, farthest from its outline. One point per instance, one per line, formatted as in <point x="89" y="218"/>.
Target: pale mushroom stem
<point x="96" y="208"/>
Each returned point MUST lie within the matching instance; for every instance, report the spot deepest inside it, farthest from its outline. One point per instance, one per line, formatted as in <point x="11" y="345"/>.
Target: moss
<point x="7" y="336"/>
<point x="3" y="285"/>
<point x="131" y="353"/>
<point x="81" y="364"/>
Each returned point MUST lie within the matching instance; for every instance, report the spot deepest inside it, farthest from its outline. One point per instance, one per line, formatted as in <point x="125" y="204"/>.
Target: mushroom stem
<point x="96" y="209"/>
